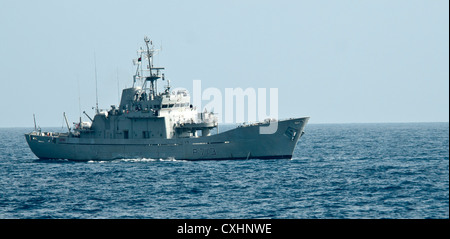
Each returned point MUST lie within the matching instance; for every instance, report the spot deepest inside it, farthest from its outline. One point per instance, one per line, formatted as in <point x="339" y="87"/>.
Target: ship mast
<point x="154" y="72"/>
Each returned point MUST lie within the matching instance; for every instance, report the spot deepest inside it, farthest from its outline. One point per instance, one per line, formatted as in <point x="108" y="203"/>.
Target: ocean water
<point x="337" y="171"/>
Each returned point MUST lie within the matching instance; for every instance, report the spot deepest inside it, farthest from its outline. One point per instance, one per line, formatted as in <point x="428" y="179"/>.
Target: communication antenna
<point x="96" y="91"/>
<point x="34" y="117"/>
<point x="118" y="89"/>
<point x="79" y="98"/>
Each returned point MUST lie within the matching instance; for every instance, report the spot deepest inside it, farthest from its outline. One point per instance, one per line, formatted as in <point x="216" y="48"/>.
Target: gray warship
<point x="162" y="125"/>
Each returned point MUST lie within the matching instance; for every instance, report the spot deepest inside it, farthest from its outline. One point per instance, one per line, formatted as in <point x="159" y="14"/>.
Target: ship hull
<point x="245" y="142"/>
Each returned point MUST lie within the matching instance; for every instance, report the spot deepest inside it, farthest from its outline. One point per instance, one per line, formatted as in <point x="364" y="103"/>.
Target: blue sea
<point x="337" y="171"/>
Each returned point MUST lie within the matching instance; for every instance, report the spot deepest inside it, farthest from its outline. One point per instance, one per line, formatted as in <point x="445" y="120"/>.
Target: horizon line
<point x="319" y="123"/>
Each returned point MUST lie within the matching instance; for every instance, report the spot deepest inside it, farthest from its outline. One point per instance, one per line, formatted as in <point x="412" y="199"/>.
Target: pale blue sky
<point x="337" y="61"/>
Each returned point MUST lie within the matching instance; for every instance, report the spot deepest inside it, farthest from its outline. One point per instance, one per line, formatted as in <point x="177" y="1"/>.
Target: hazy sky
<point x="336" y="61"/>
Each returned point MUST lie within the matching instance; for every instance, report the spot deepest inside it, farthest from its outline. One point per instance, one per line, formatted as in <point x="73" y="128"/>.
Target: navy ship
<point x="163" y="125"/>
